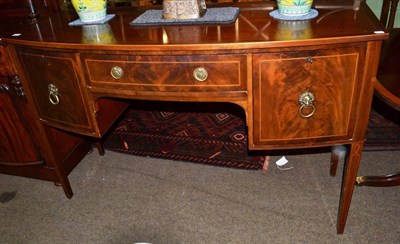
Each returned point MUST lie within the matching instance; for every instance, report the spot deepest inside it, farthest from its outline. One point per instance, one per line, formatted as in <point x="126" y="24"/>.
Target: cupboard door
<point x="16" y="144"/>
<point x="56" y="90"/>
<point x="307" y="96"/>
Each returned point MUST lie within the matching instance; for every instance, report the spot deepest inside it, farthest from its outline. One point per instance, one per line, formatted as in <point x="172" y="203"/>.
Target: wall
<point x="376" y="6"/>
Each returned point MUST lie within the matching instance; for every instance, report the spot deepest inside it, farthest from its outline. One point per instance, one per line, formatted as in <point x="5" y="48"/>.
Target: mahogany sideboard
<point x="302" y="84"/>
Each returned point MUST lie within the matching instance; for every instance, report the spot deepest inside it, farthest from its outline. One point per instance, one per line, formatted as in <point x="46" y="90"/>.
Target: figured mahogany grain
<point x="281" y="78"/>
<point x="168" y="73"/>
<point x="16" y="144"/>
<point x="56" y="69"/>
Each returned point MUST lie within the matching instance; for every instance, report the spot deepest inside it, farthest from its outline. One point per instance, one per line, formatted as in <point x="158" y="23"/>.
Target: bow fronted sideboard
<point x="302" y="84"/>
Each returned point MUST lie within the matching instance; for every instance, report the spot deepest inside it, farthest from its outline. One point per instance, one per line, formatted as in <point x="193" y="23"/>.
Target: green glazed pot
<point x="90" y="10"/>
<point x="294" y="7"/>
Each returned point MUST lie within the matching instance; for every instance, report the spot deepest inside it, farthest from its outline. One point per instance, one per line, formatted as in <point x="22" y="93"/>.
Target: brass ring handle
<point x="54" y="99"/>
<point x="200" y="74"/>
<point x="117" y="72"/>
<point x="306" y="100"/>
<point x="309" y="114"/>
<point x="53" y="94"/>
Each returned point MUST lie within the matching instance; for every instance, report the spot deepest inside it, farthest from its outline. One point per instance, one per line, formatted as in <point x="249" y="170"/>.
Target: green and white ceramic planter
<point x="294" y="7"/>
<point x="90" y="10"/>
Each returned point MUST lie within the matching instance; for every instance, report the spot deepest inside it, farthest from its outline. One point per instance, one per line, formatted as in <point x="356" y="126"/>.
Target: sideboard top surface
<point x="254" y="27"/>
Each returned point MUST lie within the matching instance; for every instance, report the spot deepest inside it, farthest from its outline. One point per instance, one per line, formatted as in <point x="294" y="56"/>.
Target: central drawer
<point x="193" y="73"/>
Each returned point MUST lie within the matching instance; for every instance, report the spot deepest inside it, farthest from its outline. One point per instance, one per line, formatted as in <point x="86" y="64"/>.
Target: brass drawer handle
<point x="117" y="72"/>
<point x="53" y="94"/>
<point x="200" y="74"/>
<point x="306" y="101"/>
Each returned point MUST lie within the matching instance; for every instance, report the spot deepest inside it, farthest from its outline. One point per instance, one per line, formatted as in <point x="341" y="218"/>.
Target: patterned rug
<point x="214" y="135"/>
<point x="383" y="132"/>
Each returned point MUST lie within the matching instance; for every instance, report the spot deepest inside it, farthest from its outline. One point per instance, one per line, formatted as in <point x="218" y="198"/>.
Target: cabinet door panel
<point x="57" y="93"/>
<point x="280" y="80"/>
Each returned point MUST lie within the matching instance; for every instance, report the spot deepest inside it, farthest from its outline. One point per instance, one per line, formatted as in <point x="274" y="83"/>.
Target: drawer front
<point x="198" y="73"/>
<point x="326" y="83"/>
<point x="55" y="88"/>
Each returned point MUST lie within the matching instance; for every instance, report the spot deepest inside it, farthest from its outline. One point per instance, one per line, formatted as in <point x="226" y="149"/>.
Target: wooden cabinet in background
<point x="17" y="146"/>
<point x="27" y="8"/>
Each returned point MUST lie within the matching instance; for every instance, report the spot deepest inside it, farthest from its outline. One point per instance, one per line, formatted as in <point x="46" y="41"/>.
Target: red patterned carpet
<point x="383" y="132"/>
<point x="214" y="135"/>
